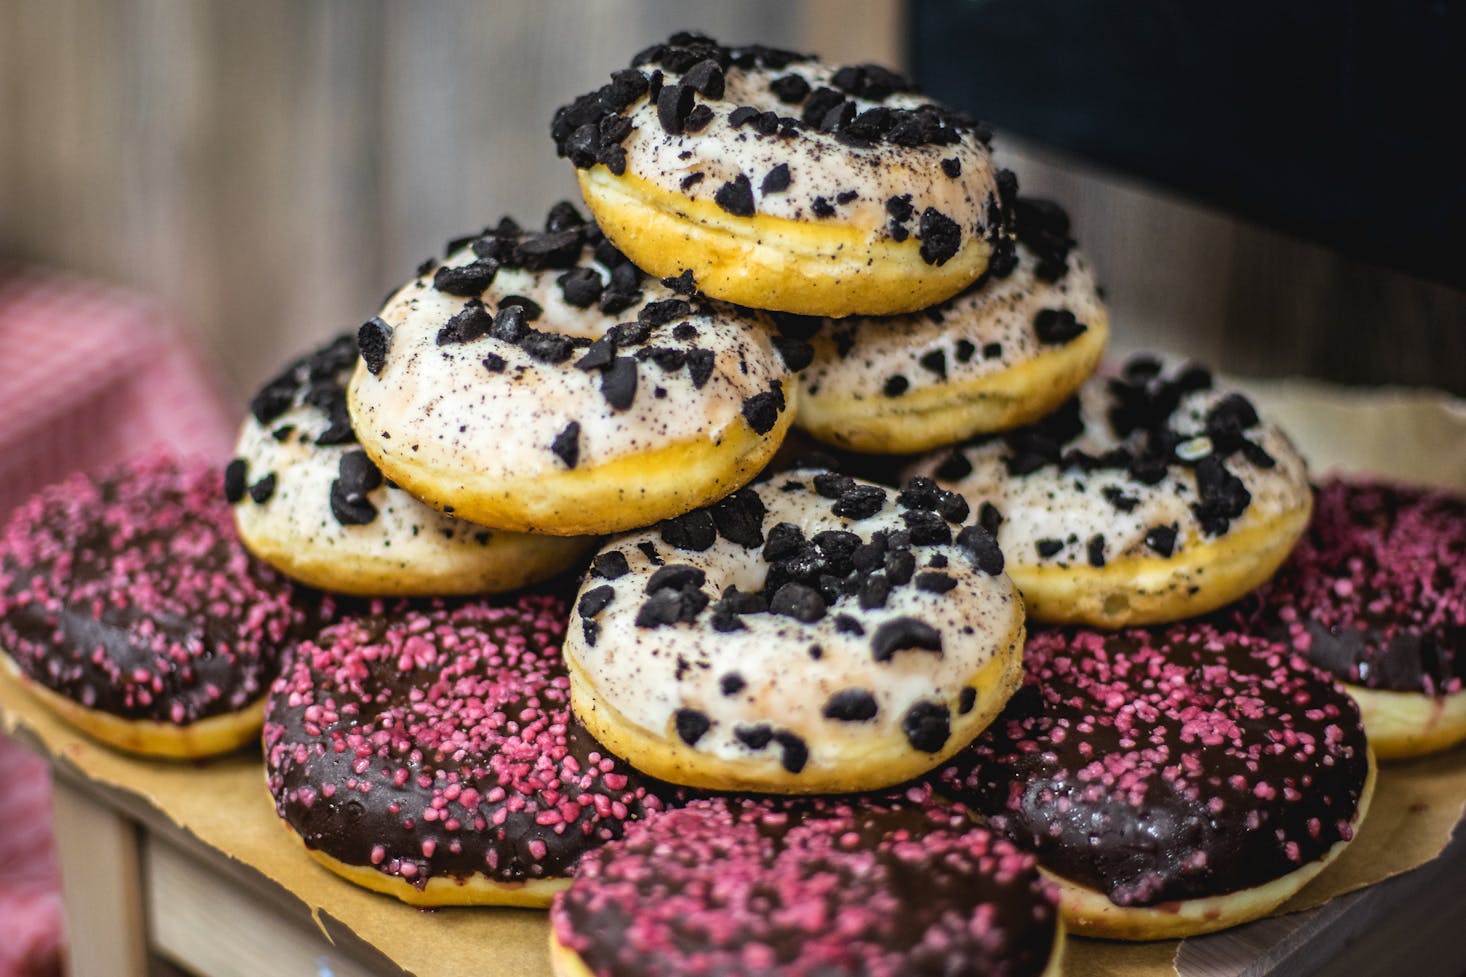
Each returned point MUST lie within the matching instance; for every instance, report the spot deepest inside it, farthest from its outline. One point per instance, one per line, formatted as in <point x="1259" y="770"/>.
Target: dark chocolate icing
<point x="820" y="886"/>
<point x="435" y="740"/>
<point x="132" y="595"/>
<point x="1168" y="764"/>
<point x="1375" y="591"/>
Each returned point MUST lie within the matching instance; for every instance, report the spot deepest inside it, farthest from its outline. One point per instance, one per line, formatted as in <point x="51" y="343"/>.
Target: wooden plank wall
<point x="271" y="168"/>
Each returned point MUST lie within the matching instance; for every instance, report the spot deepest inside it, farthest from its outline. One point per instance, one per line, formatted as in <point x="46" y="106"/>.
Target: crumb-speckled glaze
<point x="876" y="887"/>
<point x="1169" y="763"/>
<point x="329" y="502"/>
<point x="858" y="614"/>
<point x="539" y="394"/>
<point x="855" y="146"/>
<point x="1144" y="463"/>
<point x="130" y="594"/>
<point x="435" y="740"/>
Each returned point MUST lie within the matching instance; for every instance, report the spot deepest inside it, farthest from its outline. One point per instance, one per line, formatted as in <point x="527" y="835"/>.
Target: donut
<point x="826" y="887"/>
<point x="500" y="387"/>
<point x="426" y="751"/>
<point x="130" y="609"/>
<point x="810" y="634"/>
<point x="1153" y="495"/>
<point x="1007" y="351"/>
<point x="779" y="182"/>
<point x="309" y="501"/>
<point x="1375" y="594"/>
<point x="1174" y="780"/>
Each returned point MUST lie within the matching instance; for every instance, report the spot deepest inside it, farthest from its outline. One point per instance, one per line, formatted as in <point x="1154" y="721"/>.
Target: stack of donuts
<point x="527" y="590"/>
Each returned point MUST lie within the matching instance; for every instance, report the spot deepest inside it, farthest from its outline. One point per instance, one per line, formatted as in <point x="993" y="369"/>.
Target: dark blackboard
<point x="1338" y="120"/>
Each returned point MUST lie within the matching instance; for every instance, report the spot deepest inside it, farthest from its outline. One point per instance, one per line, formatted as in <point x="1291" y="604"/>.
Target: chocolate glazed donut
<point x="1176" y="781"/>
<point x="427" y="752"/>
<point x="1375" y="595"/>
<point x="130" y="607"/>
<point x="893" y="884"/>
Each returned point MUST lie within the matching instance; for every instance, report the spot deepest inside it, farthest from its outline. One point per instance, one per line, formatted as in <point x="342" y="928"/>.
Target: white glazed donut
<point x="1004" y="353"/>
<point x="505" y="387"/>
<point x="310" y="502"/>
<point x="780" y="182"/>
<point x="1153" y="496"/>
<point x="809" y="634"/>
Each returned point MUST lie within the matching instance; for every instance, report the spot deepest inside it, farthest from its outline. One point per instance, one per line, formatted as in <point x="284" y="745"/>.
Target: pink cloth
<point x="93" y="373"/>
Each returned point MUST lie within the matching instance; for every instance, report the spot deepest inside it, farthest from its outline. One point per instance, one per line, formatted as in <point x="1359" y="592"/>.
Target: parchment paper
<point x="224" y="802"/>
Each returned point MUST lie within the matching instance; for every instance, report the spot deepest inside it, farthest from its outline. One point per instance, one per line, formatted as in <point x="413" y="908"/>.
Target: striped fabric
<point x="92" y="373"/>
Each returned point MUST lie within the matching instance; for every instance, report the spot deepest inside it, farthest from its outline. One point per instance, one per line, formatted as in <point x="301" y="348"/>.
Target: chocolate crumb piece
<point x="591" y="630"/>
<point x="261" y="491"/>
<point x="358" y="473"/>
<point x="935" y="583"/>
<point x="1162" y="539"/>
<point x="671" y="607"/>
<point x="692" y="531"/>
<point x="373" y="340"/>
<point x="509" y="326"/>
<point x="235" y="475"/>
<point x="547" y="347"/>
<point x="895" y="386"/>
<point x="952" y="166"/>
<point x="904" y="634"/>
<point x="1116" y="497"/>
<point x="736" y="197"/>
<point x="681" y="284"/>
<point x="989" y="518"/>
<point x="790" y="89"/>
<point x="691" y="180"/>
<point x="954" y="468"/>
<point x="795" y="752"/>
<point x="566" y="445"/>
<point x="706" y="77"/>
<point x="691" y="725"/>
<point x="851" y="706"/>
<point x="532" y="310"/>
<point x="875" y="590"/>
<point x="845" y="624"/>
<point x="936" y="362"/>
<point x="762" y="410"/>
<point x="991" y="351"/>
<point x="685" y="332"/>
<point x="283" y="432"/>
<point x="582" y="287"/>
<point x="700" y="366"/>
<point x="966" y="700"/>
<point x="1057" y="326"/>
<point x="742" y="115"/>
<point x="740" y="518"/>
<point x="697" y="119"/>
<point x="1048" y="547"/>
<point x="860" y="502"/>
<point x="754" y="737"/>
<point x="1223" y="496"/>
<point x="965" y="350"/>
<point x="776" y="180"/>
<point x="470" y="280"/>
<point x="900" y="564"/>
<point x="732" y="684"/>
<point x="982" y="549"/>
<point x="494" y="363"/>
<point x="832" y="485"/>
<point x="1095" y="550"/>
<point x="927" y="528"/>
<point x="822" y="207"/>
<point x="900" y="208"/>
<point x="595" y="600"/>
<point x="941" y="237"/>
<point x="610" y="566"/>
<point x="796" y="353"/>
<point x="676" y="576"/>
<point x="349" y="507"/>
<point x="618" y="383"/>
<point x="649" y="550"/>
<point x="660" y="313"/>
<point x="927" y="726"/>
<point x="674" y="103"/>
<point x="796" y="600"/>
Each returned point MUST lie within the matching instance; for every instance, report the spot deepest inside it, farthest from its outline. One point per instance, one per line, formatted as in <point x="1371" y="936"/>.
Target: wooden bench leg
<point x="101" y="887"/>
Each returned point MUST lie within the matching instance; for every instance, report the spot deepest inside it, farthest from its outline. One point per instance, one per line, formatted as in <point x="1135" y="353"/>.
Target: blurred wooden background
<point x="271" y="168"/>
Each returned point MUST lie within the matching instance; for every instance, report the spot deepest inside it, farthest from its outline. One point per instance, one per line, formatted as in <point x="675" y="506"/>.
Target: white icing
<point x="648" y="674"/>
<point x="998" y="311"/>
<point x="441" y="406"/>
<point x="819" y="164"/>
<point x="1068" y="504"/>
